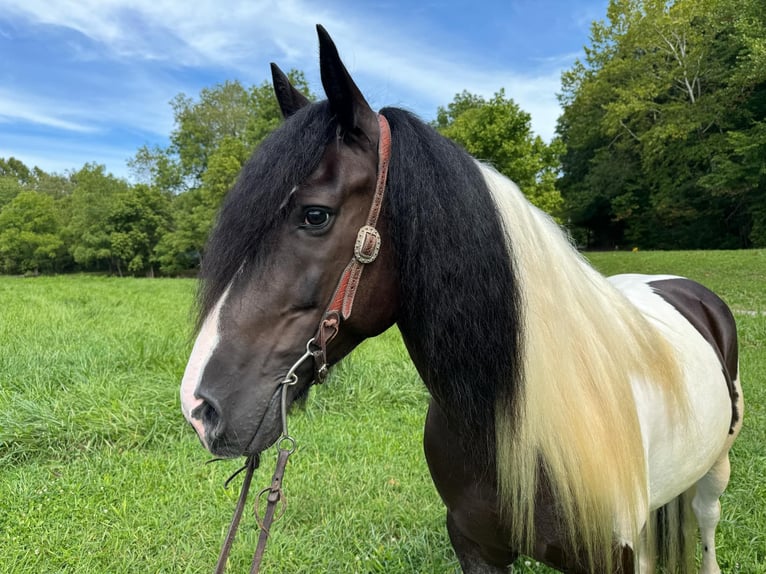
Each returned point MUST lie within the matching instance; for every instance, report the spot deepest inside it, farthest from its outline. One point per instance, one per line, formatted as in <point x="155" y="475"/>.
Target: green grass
<point x="99" y="473"/>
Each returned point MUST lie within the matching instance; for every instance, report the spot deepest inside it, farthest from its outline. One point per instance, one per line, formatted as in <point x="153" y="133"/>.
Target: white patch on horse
<point x="206" y="343"/>
<point x="670" y="467"/>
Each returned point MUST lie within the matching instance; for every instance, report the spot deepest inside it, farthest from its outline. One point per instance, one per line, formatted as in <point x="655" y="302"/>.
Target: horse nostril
<point x="210" y="417"/>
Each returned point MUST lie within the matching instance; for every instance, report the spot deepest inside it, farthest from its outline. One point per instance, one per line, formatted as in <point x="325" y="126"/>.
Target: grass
<point x="99" y="473"/>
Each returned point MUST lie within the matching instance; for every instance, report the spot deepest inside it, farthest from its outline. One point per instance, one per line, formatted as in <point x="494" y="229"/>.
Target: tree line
<point x="661" y="144"/>
<point x="664" y="127"/>
<point x="89" y="220"/>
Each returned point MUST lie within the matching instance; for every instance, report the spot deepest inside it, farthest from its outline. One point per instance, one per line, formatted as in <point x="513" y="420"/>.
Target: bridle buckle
<point x="367" y="244"/>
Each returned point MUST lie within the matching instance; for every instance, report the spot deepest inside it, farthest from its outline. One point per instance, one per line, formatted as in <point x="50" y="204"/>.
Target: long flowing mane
<point x="575" y="422"/>
<point x="526" y="347"/>
<point x="460" y="301"/>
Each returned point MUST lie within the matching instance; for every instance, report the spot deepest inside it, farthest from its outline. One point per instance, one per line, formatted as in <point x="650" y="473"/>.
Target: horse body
<point x="570" y="415"/>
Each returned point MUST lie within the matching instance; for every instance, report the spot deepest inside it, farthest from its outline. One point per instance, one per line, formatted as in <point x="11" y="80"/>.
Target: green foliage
<point x="224" y="165"/>
<point x="181" y="247"/>
<point x="86" y="232"/>
<point x="221" y="113"/>
<point x="213" y="137"/>
<point x="29" y="240"/>
<point x="135" y="224"/>
<point x="227" y="121"/>
<point x="156" y="167"/>
<point x="9" y="188"/>
<point x="660" y="125"/>
<point x="499" y="132"/>
<point x="16" y="177"/>
<point x="16" y="170"/>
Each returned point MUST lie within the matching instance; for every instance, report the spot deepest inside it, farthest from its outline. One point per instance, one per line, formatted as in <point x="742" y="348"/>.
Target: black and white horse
<point x="572" y="418"/>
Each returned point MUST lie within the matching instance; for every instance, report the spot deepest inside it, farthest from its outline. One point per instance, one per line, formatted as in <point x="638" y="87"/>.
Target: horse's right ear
<point x="346" y="101"/>
<point x="290" y="100"/>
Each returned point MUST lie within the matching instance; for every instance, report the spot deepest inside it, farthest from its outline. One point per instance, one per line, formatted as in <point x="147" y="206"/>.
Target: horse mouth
<point x="227" y="443"/>
<point x="244" y="434"/>
<point x="268" y="430"/>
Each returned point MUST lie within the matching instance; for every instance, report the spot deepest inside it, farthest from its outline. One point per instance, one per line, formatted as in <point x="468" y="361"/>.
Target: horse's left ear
<point x="290" y="100"/>
<point x="346" y="101"/>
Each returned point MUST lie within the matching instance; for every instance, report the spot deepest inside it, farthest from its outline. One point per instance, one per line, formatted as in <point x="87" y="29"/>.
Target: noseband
<point x="366" y="248"/>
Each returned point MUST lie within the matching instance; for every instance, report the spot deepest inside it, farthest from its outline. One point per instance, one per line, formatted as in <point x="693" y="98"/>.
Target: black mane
<point x="252" y="210"/>
<point x="460" y="301"/>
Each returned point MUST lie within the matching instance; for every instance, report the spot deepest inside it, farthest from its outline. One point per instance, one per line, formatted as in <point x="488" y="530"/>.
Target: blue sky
<point x="91" y="80"/>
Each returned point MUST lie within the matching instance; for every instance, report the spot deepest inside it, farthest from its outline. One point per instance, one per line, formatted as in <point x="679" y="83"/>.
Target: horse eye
<point x="316" y="217"/>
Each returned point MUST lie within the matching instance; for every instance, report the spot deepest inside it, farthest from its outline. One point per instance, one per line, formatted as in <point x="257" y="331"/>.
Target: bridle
<point x="366" y="248"/>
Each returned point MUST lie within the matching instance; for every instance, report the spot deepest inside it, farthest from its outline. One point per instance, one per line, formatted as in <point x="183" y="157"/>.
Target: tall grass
<point x="99" y="473"/>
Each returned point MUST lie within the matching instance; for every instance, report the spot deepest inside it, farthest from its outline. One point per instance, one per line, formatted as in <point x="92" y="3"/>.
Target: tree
<point x="29" y="234"/>
<point x="647" y="119"/>
<point x="499" y="132"/>
<point x="738" y="170"/>
<point x="15" y="169"/>
<point x="56" y="185"/>
<point x="191" y="217"/>
<point x="9" y="188"/>
<point x="135" y="223"/>
<point x="227" y="112"/>
<point x="213" y="137"/>
<point x="14" y="176"/>
<point x="158" y="168"/>
<point x="86" y="231"/>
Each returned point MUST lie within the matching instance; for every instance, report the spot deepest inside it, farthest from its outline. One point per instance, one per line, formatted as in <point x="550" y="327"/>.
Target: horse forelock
<point x="254" y="208"/>
<point x="460" y="302"/>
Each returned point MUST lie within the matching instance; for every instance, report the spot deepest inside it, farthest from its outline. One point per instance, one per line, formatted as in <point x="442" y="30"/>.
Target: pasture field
<point x="99" y="473"/>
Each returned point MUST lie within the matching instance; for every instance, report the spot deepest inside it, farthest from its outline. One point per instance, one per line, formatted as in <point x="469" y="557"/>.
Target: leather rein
<point x="366" y="250"/>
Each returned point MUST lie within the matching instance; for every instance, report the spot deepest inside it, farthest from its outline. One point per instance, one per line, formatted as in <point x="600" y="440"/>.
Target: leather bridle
<point x="366" y="249"/>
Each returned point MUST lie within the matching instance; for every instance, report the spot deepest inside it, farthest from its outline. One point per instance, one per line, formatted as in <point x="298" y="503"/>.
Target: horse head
<point x="278" y="258"/>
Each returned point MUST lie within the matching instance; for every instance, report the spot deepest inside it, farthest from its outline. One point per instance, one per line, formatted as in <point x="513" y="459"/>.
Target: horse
<point x="582" y="421"/>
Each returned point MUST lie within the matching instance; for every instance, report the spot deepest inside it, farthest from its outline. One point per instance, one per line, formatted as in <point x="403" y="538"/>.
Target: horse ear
<point x="346" y="101"/>
<point x="290" y="100"/>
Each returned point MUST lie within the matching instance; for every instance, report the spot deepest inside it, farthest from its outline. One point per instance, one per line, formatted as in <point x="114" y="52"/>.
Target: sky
<point x="91" y="80"/>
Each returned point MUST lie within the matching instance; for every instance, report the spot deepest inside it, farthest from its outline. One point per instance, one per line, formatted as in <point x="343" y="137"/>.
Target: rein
<point x="366" y="250"/>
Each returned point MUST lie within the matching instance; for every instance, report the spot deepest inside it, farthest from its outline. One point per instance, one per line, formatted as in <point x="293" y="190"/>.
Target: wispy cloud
<point x="36" y="111"/>
<point x="65" y="154"/>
